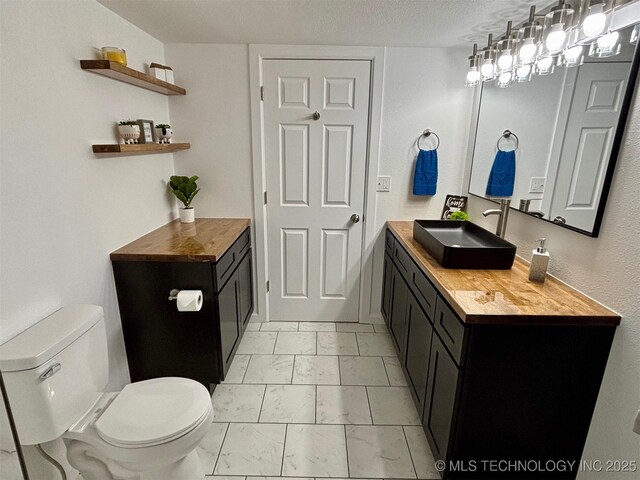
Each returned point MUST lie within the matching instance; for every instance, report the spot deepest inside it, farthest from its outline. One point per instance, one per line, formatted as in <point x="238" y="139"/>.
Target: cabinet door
<point x="419" y="333"/>
<point x="442" y="384"/>
<point x="228" y="301"/>
<point x="397" y="325"/>
<point x="245" y="286"/>
<point x="386" y="288"/>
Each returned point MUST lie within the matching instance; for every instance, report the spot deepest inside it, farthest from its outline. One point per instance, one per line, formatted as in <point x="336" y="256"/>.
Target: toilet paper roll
<point x="189" y="300"/>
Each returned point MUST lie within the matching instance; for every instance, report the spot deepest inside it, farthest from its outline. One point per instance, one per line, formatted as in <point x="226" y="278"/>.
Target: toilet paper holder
<point x="173" y="294"/>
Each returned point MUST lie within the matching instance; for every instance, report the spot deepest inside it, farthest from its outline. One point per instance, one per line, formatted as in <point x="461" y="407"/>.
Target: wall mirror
<point x="568" y="130"/>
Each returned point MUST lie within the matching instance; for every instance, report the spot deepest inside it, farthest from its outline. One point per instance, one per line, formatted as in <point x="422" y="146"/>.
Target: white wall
<point x="607" y="269"/>
<point x="64" y="209"/>
<point x="421" y="90"/>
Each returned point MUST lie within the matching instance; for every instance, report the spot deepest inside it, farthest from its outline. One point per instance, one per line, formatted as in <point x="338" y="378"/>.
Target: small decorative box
<point x="157" y="71"/>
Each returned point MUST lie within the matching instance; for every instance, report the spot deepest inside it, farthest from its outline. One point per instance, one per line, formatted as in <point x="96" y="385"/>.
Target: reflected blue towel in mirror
<point x="425" y="177"/>
<point x="503" y="174"/>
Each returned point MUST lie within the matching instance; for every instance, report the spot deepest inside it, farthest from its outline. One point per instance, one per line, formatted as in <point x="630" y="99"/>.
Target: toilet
<point x="55" y="374"/>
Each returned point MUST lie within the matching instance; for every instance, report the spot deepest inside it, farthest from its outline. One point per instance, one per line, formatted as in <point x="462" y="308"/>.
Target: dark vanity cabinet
<point x="495" y="388"/>
<point x="161" y="341"/>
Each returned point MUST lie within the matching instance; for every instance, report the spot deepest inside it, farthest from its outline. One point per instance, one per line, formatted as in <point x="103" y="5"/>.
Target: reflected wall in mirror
<point x="569" y="126"/>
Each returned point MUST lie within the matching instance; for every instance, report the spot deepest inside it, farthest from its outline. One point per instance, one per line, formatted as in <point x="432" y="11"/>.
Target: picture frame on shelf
<point x="454" y="203"/>
<point x="147" y="131"/>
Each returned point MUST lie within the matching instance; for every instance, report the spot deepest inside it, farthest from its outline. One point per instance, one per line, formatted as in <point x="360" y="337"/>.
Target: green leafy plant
<point x="459" y="215"/>
<point x="163" y="125"/>
<point x="128" y="122"/>
<point x="184" y="188"/>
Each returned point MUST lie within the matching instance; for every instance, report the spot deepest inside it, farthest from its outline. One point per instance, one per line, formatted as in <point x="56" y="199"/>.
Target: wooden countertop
<point x="502" y="297"/>
<point x="206" y="240"/>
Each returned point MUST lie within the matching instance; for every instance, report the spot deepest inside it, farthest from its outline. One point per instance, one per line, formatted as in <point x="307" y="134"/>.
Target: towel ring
<point x="507" y="134"/>
<point x="427" y="133"/>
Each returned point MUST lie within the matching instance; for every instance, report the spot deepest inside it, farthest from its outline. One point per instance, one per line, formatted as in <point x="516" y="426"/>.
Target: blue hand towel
<point x="425" y="178"/>
<point x="503" y="175"/>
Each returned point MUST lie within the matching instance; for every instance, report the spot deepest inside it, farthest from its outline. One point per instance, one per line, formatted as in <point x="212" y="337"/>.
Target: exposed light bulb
<point x="504" y="79"/>
<point x="608" y="41"/>
<point x="595" y="23"/>
<point x="488" y="70"/>
<point x="572" y="54"/>
<point x="556" y="38"/>
<point x="523" y="71"/>
<point x="544" y="65"/>
<point x="505" y="61"/>
<point x="473" y="77"/>
<point x="528" y="51"/>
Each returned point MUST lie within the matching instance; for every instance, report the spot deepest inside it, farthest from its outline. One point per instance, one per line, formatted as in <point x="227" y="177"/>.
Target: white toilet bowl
<point x="149" y="430"/>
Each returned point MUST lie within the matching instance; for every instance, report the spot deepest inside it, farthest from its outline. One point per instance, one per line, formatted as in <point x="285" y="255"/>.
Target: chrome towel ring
<point x="427" y="133"/>
<point x="507" y="134"/>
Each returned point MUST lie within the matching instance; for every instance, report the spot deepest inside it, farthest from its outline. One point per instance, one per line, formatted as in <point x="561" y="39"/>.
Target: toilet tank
<point x="55" y="371"/>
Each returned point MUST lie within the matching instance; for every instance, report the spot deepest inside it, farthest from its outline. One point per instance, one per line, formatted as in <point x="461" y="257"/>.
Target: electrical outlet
<point x="537" y="184"/>
<point x="384" y="184"/>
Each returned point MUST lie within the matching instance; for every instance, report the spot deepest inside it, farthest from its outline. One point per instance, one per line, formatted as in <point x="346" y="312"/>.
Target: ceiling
<point x="401" y="23"/>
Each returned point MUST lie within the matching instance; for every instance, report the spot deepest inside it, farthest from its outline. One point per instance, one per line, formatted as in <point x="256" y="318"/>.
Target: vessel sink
<point x="461" y="244"/>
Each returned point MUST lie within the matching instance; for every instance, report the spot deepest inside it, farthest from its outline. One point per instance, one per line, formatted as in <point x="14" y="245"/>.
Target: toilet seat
<point x="153" y="412"/>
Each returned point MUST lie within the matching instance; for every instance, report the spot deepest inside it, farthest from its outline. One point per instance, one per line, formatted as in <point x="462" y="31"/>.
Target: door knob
<point x="316" y="115"/>
<point x="355" y="218"/>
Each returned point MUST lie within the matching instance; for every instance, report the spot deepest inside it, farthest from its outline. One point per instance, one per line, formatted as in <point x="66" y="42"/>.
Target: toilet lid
<point x="148" y="412"/>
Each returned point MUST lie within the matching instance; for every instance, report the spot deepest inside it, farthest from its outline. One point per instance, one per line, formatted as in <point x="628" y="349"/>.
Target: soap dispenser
<point x="539" y="263"/>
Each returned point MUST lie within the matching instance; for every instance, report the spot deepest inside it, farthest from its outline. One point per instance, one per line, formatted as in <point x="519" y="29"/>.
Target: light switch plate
<point x="384" y="184"/>
<point x="537" y="184"/>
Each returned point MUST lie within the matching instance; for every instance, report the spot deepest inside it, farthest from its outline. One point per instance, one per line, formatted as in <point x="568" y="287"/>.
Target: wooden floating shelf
<point x="131" y="149"/>
<point x="129" y="75"/>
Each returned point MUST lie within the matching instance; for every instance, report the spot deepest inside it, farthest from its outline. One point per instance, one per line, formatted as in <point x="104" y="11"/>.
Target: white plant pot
<point x="129" y="133"/>
<point x="163" y="135"/>
<point x="187" y="215"/>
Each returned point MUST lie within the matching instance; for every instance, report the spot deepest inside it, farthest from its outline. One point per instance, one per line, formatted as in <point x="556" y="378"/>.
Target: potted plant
<point x="459" y="215"/>
<point x="129" y="130"/>
<point x="164" y="133"/>
<point x="185" y="189"/>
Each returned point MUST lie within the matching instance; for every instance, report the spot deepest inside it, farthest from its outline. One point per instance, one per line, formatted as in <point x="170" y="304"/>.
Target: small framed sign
<point x="454" y="203"/>
<point x="147" y="134"/>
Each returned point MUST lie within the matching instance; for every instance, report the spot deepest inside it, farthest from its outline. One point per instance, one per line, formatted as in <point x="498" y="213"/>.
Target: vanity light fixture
<point x="529" y="39"/>
<point x="505" y="79"/>
<point x="573" y="56"/>
<point x="596" y="19"/>
<point x="507" y="51"/>
<point x="523" y="73"/>
<point x="545" y="65"/>
<point x="473" y="75"/>
<point x="606" y="46"/>
<point x="488" y="67"/>
<point x="557" y="23"/>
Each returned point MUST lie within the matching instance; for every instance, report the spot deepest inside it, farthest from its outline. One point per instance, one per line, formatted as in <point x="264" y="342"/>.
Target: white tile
<point x="10" y="465"/>
<point x="209" y="447"/>
<point x="251" y="327"/>
<point x="375" y="344"/>
<point x="237" y="369"/>
<point x="362" y="371"/>
<point x="342" y="405"/>
<point x="392" y="406"/>
<point x="257" y="342"/>
<point x="378" y="452"/>
<point x="394" y="372"/>
<point x="252" y="449"/>
<point x="421" y="455"/>
<point x="354" y="327"/>
<point x="289" y="404"/>
<point x="315" y="451"/>
<point x="316" y="370"/>
<point x="317" y="327"/>
<point x="269" y="369"/>
<point x="237" y="403"/>
<point x="330" y="343"/>
<point x="380" y="328"/>
<point x="279" y="327"/>
<point x="300" y="343"/>
<point x="279" y="478"/>
<point x="227" y="477"/>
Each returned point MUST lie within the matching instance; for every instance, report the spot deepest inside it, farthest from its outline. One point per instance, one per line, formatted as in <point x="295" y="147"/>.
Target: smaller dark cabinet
<point x="416" y="362"/>
<point x="386" y="289"/>
<point x="161" y="341"/>
<point x="398" y="323"/>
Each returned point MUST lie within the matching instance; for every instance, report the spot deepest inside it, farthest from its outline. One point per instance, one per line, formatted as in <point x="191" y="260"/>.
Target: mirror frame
<point x="613" y="156"/>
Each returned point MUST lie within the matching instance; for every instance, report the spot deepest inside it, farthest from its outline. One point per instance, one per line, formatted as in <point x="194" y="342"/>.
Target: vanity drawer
<point x="450" y="330"/>
<point x="227" y="264"/>
<point x="403" y="261"/>
<point x="424" y="291"/>
<point x="388" y="242"/>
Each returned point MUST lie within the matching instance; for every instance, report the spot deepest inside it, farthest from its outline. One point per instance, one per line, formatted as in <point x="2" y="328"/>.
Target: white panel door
<point x="595" y="109"/>
<point x="315" y="171"/>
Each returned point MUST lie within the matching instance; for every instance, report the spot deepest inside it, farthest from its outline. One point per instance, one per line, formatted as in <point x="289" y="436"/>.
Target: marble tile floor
<point x="309" y="400"/>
